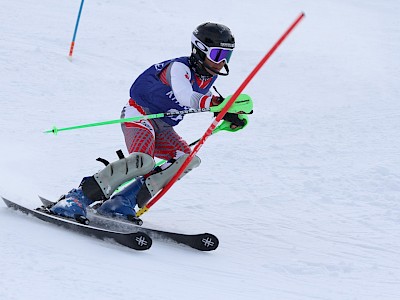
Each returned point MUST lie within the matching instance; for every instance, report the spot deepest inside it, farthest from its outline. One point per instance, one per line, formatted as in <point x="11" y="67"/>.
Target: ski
<point x="202" y="241"/>
<point x="135" y="240"/>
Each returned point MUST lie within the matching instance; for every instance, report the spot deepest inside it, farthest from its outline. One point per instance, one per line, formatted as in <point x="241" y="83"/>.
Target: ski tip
<point x="6" y="201"/>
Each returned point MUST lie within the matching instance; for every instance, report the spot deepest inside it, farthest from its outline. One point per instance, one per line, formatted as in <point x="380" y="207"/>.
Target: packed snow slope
<point x="305" y="200"/>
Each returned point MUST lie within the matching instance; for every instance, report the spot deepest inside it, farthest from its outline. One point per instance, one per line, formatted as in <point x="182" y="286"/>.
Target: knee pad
<point x="102" y="184"/>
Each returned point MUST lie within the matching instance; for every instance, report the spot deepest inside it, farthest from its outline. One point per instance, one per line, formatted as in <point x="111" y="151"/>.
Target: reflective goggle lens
<point x="218" y="54"/>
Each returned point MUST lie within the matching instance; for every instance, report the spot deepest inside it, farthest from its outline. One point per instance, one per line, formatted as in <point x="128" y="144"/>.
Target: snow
<point x="305" y="200"/>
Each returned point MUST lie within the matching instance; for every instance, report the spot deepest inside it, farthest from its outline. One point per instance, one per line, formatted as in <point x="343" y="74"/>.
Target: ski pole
<point x="55" y="130"/>
<point x="71" y="49"/>
<point x="219" y="118"/>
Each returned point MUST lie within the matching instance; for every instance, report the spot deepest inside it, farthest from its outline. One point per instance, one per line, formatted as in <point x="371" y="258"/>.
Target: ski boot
<point x="121" y="205"/>
<point x="72" y="205"/>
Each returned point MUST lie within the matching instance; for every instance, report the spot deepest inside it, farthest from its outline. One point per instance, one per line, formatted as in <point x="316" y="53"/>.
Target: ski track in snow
<point x="304" y="201"/>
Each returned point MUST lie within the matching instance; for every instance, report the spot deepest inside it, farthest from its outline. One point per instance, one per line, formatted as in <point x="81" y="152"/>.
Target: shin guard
<point x="155" y="182"/>
<point x="102" y="184"/>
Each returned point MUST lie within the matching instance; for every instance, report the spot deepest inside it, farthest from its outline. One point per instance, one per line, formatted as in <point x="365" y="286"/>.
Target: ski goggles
<point x="215" y="54"/>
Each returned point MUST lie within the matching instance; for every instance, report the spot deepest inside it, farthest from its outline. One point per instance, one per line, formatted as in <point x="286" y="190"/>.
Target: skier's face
<point x="215" y="66"/>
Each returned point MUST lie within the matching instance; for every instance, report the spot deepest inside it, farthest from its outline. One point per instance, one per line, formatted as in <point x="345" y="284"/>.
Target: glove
<point x="232" y="122"/>
<point x="242" y="105"/>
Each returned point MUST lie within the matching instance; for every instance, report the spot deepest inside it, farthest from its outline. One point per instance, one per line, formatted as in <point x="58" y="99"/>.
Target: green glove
<point x="227" y="125"/>
<point x="242" y="104"/>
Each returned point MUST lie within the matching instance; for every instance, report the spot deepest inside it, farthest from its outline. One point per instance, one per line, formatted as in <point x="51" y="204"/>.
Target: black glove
<point x="233" y="118"/>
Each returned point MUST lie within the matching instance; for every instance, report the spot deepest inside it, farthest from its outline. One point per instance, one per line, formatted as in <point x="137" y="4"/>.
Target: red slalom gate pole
<point x="219" y="117"/>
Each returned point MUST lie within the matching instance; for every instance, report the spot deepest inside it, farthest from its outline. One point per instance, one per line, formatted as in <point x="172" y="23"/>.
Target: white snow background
<point x="305" y="200"/>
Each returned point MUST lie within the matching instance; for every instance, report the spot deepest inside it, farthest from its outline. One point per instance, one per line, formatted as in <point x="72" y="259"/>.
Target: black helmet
<point x="214" y="41"/>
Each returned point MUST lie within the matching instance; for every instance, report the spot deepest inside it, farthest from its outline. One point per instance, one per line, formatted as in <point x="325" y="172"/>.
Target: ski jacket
<point x="172" y="85"/>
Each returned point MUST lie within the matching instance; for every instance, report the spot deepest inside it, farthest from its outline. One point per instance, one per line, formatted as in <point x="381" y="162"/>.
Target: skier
<point x="173" y="85"/>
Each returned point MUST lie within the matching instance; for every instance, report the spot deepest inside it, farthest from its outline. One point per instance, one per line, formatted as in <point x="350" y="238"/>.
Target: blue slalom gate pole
<point x="71" y="49"/>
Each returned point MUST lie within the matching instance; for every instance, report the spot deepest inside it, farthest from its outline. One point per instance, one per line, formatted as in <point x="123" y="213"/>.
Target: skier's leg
<point x="168" y="145"/>
<point x="171" y="147"/>
<point x="139" y="137"/>
<point x="158" y="180"/>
